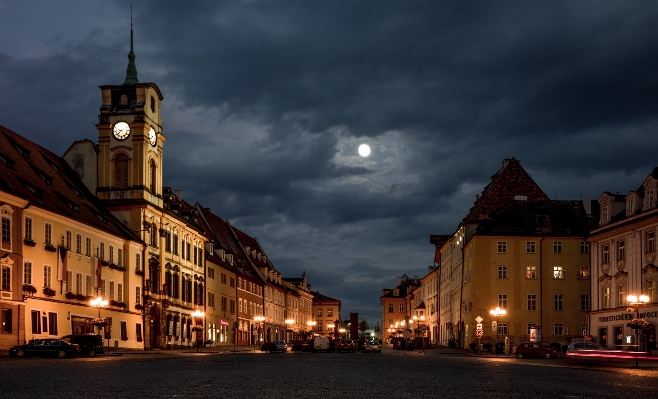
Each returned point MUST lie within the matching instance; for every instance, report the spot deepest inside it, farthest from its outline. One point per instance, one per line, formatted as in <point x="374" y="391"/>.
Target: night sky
<point x="266" y="102"/>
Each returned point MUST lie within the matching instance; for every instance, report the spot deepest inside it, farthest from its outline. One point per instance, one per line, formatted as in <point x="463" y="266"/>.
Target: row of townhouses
<point x="98" y="222"/>
<point x="559" y="270"/>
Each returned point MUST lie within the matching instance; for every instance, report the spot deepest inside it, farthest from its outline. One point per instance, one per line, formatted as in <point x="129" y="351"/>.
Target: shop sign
<point x="623" y="316"/>
<point x="223" y="322"/>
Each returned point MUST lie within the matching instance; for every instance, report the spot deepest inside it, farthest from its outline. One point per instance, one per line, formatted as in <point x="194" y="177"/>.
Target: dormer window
<point x="630" y="206"/>
<point x="650" y="199"/>
<point x="605" y="214"/>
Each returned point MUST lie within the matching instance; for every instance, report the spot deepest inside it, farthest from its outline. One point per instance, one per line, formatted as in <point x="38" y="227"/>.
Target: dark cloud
<point x="266" y="103"/>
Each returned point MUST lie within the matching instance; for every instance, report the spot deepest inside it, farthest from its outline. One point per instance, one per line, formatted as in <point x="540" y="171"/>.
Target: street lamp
<point x="420" y="328"/>
<point x="197" y="314"/>
<point x="637" y="302"/>
<point x="497" y="313"/>
<point x="332" y="327"/>
<point x="341" y="331"/>
<point x="311" y="324"/>
<point x="100" y="303"/>
<point x="259" y="320"/>
<point x="289" y="323"/>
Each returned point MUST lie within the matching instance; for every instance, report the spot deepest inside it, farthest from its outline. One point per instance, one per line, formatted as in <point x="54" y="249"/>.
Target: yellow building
<point x="326" y="313"/>
<point x="67" y="250"/>
<point x="396" y="309"/>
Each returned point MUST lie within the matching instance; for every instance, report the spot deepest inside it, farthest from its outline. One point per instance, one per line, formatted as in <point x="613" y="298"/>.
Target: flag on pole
<point x="96" y="270"/>
<point x="437" y="257"/>
<point x="61" y="263"/>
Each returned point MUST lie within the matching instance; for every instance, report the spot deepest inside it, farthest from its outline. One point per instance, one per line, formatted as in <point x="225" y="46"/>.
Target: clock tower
<point x="130" y="141"/>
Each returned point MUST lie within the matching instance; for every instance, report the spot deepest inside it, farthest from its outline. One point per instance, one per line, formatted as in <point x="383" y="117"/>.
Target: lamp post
<point x="259" y="320"/>
<point x="341" y="331"/>
<point x="420" y="329"/>
<point x="311" y="324"/>
<point x="637" y="302"/>
<point x="197" y="314"/>
<point x="100" y="303"/>
<point x="497" y="313"/>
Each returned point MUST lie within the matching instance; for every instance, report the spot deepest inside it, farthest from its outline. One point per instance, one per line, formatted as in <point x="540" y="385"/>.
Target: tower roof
<point x="131" y="70"/>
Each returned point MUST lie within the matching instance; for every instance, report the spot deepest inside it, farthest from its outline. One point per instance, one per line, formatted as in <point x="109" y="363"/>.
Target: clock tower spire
<point x="131" y="71"/>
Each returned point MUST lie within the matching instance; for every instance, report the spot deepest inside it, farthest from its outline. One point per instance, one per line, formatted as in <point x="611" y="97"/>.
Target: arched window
<point x="121" y="171"/>
<point x="152" y="172"/>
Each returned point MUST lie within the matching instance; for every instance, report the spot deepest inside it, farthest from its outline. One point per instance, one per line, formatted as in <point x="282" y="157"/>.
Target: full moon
<point x="364" y="150"/>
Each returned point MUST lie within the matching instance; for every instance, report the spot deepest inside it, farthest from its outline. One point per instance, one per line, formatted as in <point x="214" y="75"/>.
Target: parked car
<point x="45" y="347"/>
<point x="268" y="346"/>
<point x="372" y="346"/>
<point x="583" y="346"/>
<point x="321" y="344"/>
<point x="345" y="345"/>
<point x="534" y="349"/>
<point x="90" y="344"/>
<point x="281" y="345"/>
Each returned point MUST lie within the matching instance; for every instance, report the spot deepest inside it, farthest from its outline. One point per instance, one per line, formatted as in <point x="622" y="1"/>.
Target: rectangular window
<point x="223" y="278"/>
<point x="558" y="329"/>
<point x="48" y="233"/>
<point x="390" y="308"/>
<point x="28" y="228"/>
<point x="319" y="313"/>
<point x="604" y="214"/>
<point x="605" y="254"/>
<point x="5" y="325"/>
<point x="605" y="297"/>
<point x="530" y="272"/>
<point x="167" y="239"/>
<point x="503" y="329"/>
<point x="69" y="281"/>
<point x="584" y="272"/>
<point x="87" y="246"/>
<point x="330" y="312"/>
<point x="138" y="262"/>
<point x="124" y="331"/>
<point x="402" y="308"/>
<point x="6" y="233"/>
<point x="103" y="287"/>
<point x="232" y="282"/>
<point x="52" y="322"/>
<point x="232" y="305"/>
<point x="502" y="247"/>
<point x="557" y="247"/>
<point x="502" y="301"/>
<point x="211" y="299"/>
<point x="211" y="272"/>
<point x="530" y="247"/>
<point x="47" y="276"/>
<point x="319" y="326"/>
<point x="111" y="290"/>
<point x="175" y="244"/>
<point x="224" y="304"/>
<point x="78" y="243"/>
<point x="621" y="250"/>
<point x="557" y="302"/>
<point x="138" y="332"/>
<point x="532" y="302"/>
<point x="502" y="271"/>
<point x="27" y="272"/>
<point x="584" y="302"/>
<point x="120" y="257"/>
<point x="78" y="283"/>
<point x="6" y="279"/>
<point x="621" y="295"/>
<point x="584" y="247"/>
<point x="69" y="238"/>
<point x="138" y="295"/>
<point x="188" y="247"/>
<point x="558" y="272"/>
<point x="35" y="317"/>
<point x="651" y="290"/>
<point x="651" y="241"/>
<point x="119" y="292"/>
<point x="240" y="305"/>
<point x="102" y="249"/>
<point x="111" y="254"/>
<point x="88" y="285"/>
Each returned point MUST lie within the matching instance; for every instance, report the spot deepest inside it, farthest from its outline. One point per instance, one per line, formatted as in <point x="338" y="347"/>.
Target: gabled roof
<point x="317" y="297"/>
<point x="223" y="236"/>
<point x="31" y="172"/>
<point x="253" y="244"/>
<point x="538" y="218"/>
<point x="509" y="182"/>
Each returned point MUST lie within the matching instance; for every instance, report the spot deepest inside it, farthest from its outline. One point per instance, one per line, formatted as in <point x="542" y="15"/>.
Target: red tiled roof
<point x="510" y="181"/>
<point x="29" y="171"/>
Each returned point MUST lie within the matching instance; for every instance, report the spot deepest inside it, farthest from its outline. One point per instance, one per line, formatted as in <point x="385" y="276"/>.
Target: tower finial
<point x="131" y="71"/>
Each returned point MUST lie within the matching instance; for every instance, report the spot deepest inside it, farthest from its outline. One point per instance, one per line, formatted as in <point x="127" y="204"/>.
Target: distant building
<point x="396" y="311"/>
<point x="326" y="313"/>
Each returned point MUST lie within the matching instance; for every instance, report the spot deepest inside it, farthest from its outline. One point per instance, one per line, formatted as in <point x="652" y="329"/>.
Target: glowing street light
<point x="259" y="320"/>
<point x="496" y="313"/>
<point x="637" y="302"/>
<point x="197" y="314"/>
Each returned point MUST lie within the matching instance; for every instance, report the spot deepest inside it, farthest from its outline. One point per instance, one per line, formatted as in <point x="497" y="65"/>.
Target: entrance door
<point x="603" y="337"/>
<point x="154" y="328"/>
<point x="619" y="337"/>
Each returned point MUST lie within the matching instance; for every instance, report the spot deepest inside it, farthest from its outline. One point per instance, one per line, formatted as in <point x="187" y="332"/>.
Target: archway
<point x="154" y="328"/>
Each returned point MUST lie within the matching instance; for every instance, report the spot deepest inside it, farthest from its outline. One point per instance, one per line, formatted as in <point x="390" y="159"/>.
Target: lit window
<point x="584" y="272"/>
<point x="530" y="272"/>
<point x="605" y="297"/>
<point x="621" y="295"/>
<point x="559" y="273"/>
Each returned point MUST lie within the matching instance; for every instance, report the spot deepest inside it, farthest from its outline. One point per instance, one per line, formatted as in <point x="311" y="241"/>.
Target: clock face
<point x="121" y="130"/>
<point x="153" y="138"/>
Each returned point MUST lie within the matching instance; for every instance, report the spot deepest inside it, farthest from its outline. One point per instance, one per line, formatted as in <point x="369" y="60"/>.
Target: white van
<point x="321" y="344"/>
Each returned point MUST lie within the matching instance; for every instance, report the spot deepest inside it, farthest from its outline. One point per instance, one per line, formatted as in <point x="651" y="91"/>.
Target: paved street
<point x="322" y="375"/>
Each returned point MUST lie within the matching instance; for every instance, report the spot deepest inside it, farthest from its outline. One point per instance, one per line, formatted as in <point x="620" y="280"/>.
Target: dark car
<point x="533" y="349"/>
<point x="45" y="347"/>
<point x="90" y="344"/>
<point x="345" y="345"/>
<point x="281" y="345"/>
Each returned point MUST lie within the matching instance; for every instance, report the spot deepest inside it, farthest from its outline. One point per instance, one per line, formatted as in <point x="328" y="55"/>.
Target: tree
<point x="363" y="326"/>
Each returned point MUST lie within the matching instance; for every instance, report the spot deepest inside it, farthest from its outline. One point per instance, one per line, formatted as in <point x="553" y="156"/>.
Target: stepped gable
<point x="509" y="182"/>
<point x="538" y="218"/>
<point x="224" y="237"/>
<point x="33" y="173"/>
